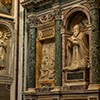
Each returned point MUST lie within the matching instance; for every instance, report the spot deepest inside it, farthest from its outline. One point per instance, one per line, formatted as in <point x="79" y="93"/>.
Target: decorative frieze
<point x="41" y="20"/>
<point x="36" y="20"/>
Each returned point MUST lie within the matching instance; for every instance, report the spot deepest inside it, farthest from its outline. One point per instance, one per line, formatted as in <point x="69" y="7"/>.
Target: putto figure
<point x="77" y="50"/>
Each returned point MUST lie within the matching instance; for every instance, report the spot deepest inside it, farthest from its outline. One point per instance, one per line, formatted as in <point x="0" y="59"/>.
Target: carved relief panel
<point x="46" y="56"/>
<point x="6" y="51"/>
<point x="47" y="62"/>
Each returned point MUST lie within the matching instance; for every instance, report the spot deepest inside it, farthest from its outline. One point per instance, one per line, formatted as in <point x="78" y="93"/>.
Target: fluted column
<point x="58" y="49"/>
<point x="95" y="40"/>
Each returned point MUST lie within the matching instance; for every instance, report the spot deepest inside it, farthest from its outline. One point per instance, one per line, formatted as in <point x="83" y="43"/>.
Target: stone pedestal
<point x="76" y="80"/>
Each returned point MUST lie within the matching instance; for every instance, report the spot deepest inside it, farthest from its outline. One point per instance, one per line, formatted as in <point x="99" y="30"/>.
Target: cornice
<point x="35" y="3"/>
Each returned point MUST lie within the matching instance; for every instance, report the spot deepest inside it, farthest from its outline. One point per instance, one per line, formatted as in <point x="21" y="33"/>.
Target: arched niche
<point x="77" y="15"/>
<point x="6" y="49"/>
<point x="81" y="16"/>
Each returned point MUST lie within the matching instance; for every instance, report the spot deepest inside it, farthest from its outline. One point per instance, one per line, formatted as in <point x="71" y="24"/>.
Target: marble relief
<point x="77" y="50"/>
<point x="47" y="62"/>
<point x="5" y="37"/>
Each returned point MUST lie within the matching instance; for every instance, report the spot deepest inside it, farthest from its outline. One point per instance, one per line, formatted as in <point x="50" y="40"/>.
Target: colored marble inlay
<point x="32" y="57"/>
<point x="95" y="42"/>
<point x="58" y="54"/>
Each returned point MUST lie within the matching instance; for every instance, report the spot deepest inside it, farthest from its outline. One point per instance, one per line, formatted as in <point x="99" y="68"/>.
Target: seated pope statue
<point x="77" y="50"/>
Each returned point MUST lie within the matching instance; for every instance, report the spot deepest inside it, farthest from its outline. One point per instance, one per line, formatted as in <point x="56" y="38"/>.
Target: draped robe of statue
<point x="77" y="52"/>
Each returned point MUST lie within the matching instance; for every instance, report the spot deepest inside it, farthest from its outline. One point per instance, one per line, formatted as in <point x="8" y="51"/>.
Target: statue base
<point x="76" y="79"/>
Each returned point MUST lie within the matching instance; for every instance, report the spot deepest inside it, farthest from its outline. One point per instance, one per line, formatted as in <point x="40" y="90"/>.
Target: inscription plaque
<point x="74" y="75"/>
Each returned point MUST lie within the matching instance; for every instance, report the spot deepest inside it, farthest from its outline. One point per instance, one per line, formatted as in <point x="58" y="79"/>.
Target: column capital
<point x="93" y="3"/>
<point x="58" y="14"/>
<point x="32" y="21"/>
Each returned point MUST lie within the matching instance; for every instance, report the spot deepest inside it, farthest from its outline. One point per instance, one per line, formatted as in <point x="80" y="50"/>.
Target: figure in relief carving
<point x="3" y="46"/>
<point x="77" y="50"/>
<point x="47" y="63"/>
<point x="4" y="42"/>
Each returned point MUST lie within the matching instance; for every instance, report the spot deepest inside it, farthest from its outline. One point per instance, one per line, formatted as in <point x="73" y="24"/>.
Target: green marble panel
<point x="95" y="42"/>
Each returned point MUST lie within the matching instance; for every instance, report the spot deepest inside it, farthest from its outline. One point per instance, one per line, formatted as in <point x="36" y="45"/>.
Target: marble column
<point x="58" y="51"/>
<point x="32" y="57"/>
<point x="95" y="41"/>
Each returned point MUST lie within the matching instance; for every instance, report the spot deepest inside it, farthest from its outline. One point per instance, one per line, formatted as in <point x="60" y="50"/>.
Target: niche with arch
<point x="78" y="18"/>
<point x="75" y="74"/>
